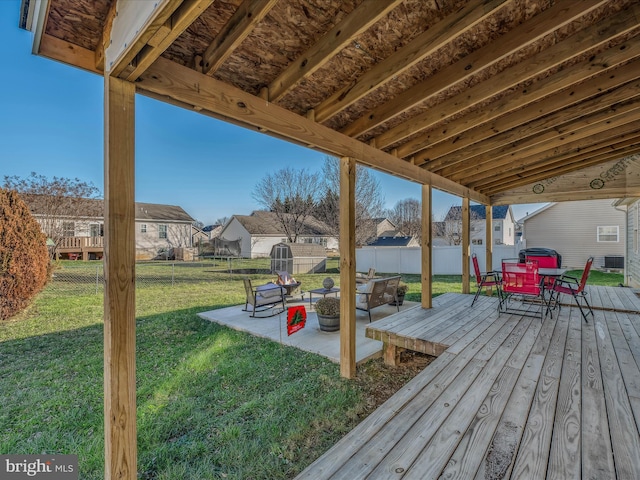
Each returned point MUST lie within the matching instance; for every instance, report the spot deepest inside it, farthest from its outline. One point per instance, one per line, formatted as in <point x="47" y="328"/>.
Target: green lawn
<point x="212" y="402"/>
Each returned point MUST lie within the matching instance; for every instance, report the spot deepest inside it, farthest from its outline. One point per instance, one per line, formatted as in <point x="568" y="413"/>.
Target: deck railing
<point x="81" y="242"/>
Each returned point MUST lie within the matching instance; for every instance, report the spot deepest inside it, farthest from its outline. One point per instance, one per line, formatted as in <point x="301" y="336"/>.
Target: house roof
<point x="94" y="208"/>
<point x="305" y="249"/>
<point x="479" y="212"/>
<point x="498" y="101"/>
<point x="390" y="242"/>
<point x="266" y="223"/>
<point x="155" y="211"/>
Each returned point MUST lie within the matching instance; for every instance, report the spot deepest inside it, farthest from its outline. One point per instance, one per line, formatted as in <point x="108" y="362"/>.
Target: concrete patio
<point x="311" y="338"/>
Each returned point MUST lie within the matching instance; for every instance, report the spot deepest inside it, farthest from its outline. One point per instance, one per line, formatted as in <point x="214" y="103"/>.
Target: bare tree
<point x="369" y="200"/>
<point x="453" y="224"/>
<point x="290" y="194"/>
<point x="54" y="200"/>
<point x="406" y="215"/>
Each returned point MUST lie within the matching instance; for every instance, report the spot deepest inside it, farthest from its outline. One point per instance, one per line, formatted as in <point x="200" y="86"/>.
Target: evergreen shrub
<point x="24" y="258"/>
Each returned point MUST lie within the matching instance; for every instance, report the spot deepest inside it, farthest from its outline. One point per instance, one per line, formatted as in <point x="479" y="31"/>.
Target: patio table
<point x="322" y="291"/>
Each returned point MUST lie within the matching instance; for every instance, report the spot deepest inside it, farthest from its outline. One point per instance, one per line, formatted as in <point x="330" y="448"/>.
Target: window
<point x="162" y="231"/>
<point x="496" y="228"/>
<point x="608" y="234"/>
<point x="96" y="230"/>
<point x="68" y="229"/>
<point x="476" y="241"/>
<point x="143" y="228"/>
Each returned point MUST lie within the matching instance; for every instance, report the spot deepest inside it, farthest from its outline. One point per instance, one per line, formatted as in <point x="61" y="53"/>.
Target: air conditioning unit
<point x="614" y="261"/>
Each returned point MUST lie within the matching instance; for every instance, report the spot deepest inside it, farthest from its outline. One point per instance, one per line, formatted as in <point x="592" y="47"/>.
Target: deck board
<point x="509" y="397"/>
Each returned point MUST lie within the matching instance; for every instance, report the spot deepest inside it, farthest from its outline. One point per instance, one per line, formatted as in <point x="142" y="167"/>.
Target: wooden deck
<point x="508" y="397"/>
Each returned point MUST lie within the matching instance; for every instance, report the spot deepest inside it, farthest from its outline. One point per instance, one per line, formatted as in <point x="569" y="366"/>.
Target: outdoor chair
<point x="522" y="280"/>
<point x="489" y="279"/>
<point x="545" y="262"/>
<point x="568" y="285"/>
<point x="269" y="297"/>
<point x="362" y="278"/>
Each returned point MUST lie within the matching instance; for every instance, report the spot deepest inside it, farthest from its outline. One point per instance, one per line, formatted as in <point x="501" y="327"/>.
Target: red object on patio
<point x="568" y="285"/>
<point x="489" y="279"/>
<point x="522" y="279"/>
<point x="296" y="319"/>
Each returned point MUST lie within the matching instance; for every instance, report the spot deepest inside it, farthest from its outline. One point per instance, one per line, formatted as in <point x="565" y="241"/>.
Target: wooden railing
<point x="81" y="242"/>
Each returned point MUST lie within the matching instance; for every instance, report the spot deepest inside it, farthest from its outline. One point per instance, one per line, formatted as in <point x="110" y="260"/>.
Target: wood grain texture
<point x="119" y="277"/>
<point x="347" y="267"/>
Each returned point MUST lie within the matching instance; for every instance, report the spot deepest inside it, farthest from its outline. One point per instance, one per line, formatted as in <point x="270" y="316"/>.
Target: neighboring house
<point x="504" y="225"/>
<point x="260" y="231"/>
<point x="159" y="228"/>
<point x="385" y="227"/>
<point x="198" y="236"/>
<point x="632" y="240"/>
<point x="577" y="231"/>
<point x="438" y="235"/>
<point x="395" y="241"/>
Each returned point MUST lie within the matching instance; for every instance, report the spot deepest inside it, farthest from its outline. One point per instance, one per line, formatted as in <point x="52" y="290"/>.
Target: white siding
<point x="149" y="244"/>
<point x="632" y="262"/>
<point x="571" y="229"/>
<point x="234" y="231"/>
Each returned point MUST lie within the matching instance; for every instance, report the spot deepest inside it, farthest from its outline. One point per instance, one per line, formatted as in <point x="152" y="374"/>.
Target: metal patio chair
<point x="483" y="280"/>
<point x="568" y="285"/>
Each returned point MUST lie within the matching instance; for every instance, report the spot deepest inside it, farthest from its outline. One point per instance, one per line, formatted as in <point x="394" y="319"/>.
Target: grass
<point x="212" y="402"/>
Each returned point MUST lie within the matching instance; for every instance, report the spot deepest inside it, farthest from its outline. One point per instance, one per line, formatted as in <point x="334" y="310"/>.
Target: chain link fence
<point x="86" y="278"/>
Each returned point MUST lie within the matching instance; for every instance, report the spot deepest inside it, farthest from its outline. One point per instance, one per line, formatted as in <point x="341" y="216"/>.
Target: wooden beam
<point x="347" y="267"/>
<point x="173" y="82"/>
<point x="584" y="40"/>
<point x="483" y="130"/>
<point x="134" y="24"/>
<point x="241" y="24"/>
<point x="517" y="39"/>
<point x="179" y="21"/>
<point x="427" y="250"/>
<point x="533" y="143"/>
<point x="105" y="38"/>
<point x="119" y="277"/>
<point x="605" y="131"/>
<point x="567" y="195"/>
<point x="69" y="53"/>
<point x="488" y="253"/>
<point x="466" y="245"/>
<point x="358" y="21"/>
<point x="568" y="162"/>
<point x="422" y="46"/>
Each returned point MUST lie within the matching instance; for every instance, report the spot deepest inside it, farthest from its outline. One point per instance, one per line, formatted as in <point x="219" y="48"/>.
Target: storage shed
<point x="298" y="258"/>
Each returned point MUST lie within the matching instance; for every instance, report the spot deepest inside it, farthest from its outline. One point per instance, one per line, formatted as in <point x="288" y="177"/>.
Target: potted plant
<point x="328" y="311"/>
<point x="400" y="293"/>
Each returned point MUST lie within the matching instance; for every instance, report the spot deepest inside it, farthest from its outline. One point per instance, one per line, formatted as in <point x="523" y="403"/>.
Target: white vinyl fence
<point x="446" y="260"/>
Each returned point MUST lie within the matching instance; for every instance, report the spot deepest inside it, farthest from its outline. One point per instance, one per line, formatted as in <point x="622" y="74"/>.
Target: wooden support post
<point x="488" y="254"/>
<point x="427" y="285"/>
<point x="466" y="244"/>
<point x="347" y="267"/>
<point x="119" y="275"/>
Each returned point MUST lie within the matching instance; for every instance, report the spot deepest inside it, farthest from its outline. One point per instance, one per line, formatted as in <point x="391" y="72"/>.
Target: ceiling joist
<point x="365" y="15"/>
<point x="241" y="24"/>
<point x="435" y="37"/>
<point x="581" y="42"/>
<point x="470" y="65"/>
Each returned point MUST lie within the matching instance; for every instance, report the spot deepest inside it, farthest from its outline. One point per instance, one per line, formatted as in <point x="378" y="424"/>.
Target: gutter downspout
<point x="625" y="209"/>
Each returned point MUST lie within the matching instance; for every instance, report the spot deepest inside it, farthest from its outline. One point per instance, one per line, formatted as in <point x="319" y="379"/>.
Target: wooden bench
<point x="377" y="292"/>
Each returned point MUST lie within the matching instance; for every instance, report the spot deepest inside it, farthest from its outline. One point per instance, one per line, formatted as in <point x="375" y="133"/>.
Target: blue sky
<point x="51" y="123"/>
